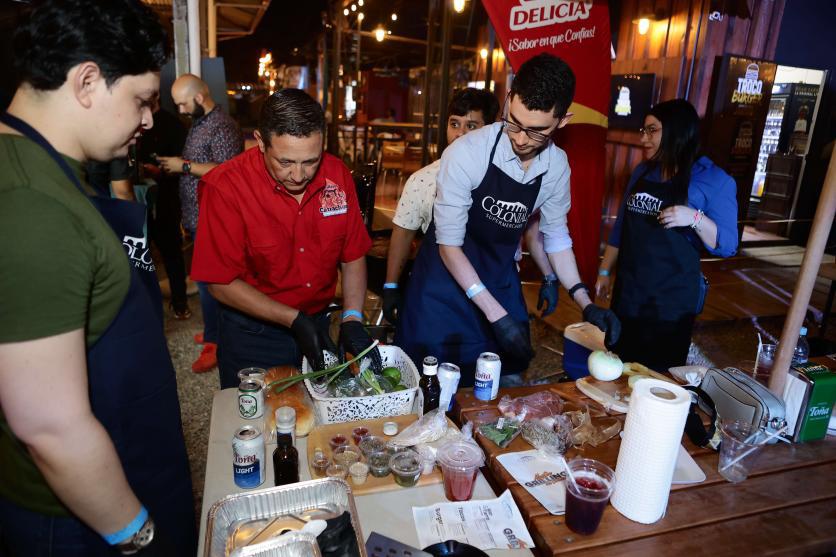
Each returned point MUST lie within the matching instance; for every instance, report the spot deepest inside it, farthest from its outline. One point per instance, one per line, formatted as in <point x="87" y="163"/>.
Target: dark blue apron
<point x="438" y="319"/>
<point x="657" y="284"/>
<point x="133" y="389"/>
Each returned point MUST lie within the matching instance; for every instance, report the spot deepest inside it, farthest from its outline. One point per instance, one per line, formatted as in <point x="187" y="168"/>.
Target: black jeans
<point x="244" y="341"/>
<point x="164" y="230"/>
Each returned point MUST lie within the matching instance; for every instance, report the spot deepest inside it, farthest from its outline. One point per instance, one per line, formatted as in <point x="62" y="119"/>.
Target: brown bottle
<point x="429" y="384"/>
<point x="285" y="461"/>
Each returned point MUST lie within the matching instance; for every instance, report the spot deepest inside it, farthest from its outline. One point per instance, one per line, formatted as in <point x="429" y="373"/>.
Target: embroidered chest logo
<point x="138" y="252"/>
<point x="644" y="204"/>
<point x="332" y="200"/>
<point x="510" y="214"/>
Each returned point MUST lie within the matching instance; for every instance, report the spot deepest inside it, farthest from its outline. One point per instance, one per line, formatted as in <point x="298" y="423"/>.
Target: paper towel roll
<point x="646" y="460"/>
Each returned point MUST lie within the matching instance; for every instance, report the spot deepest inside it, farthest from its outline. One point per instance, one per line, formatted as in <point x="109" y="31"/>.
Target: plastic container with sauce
<point x="460" y="462"/>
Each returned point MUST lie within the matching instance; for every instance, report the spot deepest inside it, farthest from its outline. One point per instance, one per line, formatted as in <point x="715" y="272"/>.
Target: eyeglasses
<point x="649" y="130"/>
<point x="533" y="135"/>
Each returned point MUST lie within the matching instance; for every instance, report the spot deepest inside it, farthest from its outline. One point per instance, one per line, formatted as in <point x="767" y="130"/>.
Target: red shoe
<point x="198" y="338"/>
<point x="208" y="358"/>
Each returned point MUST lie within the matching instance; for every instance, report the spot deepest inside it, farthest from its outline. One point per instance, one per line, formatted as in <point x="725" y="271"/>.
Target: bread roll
<point x="295" y="396"/>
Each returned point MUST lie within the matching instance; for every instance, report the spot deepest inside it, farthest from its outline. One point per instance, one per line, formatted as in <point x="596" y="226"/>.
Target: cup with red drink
<point x="588" y="495"/>
<point x="460" y="462"/>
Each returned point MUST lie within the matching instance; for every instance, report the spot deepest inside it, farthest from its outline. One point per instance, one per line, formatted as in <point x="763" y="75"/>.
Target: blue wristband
<point x="551" y="277"/>
<point x="475" y="289"/>
<point x="390" y="285"/>
<point x="352" y="313"/>
<point x="129" y="530"/>
<point x="604" y="273"/>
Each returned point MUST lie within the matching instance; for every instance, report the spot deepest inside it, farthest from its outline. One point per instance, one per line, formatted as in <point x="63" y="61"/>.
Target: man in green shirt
<point x="92" y="458"/>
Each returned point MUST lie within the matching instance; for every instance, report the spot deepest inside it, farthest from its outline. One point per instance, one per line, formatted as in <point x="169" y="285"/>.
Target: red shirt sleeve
<point x="357" y="240"/>
<point x="218" y="255"/>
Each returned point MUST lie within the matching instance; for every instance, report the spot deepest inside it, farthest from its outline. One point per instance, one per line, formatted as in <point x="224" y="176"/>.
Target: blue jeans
<point x="31" y="534"/>
<point x="244" y="341"/>
<point x="208" y="305"/>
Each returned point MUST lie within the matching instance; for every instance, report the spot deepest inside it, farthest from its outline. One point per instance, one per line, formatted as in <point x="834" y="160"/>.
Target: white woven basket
<point x="332" y="410"/>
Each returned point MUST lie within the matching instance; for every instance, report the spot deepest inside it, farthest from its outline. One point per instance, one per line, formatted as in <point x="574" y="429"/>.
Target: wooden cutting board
<point x="612" y="395"/>
<point x="321" y="434"/>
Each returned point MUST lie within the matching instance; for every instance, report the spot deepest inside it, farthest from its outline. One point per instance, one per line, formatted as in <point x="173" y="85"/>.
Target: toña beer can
<point x="251" y="399"/>
<point x="248" y="465"/>
<point x="448" y="377"/>
<point x="488" y="369"/>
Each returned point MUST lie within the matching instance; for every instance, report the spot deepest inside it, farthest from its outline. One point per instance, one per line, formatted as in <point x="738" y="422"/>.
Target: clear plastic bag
<point x="552" y="436"/>
<point x="538" y="405"/>
<point x="502" y="431"/>
<point x="430" y="427"/>
<point x="584" y="431"/>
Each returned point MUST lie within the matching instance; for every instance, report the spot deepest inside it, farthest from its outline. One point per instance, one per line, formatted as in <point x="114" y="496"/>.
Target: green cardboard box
<point x="814" y="414"/>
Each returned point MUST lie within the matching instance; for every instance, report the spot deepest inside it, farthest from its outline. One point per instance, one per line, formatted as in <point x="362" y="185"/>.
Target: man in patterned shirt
<point x="213" y="138"/>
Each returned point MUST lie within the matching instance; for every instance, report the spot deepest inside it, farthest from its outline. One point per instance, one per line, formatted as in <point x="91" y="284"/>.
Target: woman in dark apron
<point x="132" y="386"/>
<point x="438" y="318"/>
<point x="676" y="204"/>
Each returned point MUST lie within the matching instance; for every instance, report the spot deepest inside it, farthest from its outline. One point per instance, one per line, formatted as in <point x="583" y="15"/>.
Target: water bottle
<point x="802" y="348"/>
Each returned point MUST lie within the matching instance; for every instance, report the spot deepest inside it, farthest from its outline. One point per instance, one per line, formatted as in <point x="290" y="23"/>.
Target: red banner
<point x="579" y="33"/>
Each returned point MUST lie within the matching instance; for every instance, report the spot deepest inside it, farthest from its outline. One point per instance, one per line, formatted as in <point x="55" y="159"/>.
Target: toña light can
<point x="251" y="399"/>
<point x="248" y="465"/>
<point x="488" y="369"/>
<point x="448" y="377"/>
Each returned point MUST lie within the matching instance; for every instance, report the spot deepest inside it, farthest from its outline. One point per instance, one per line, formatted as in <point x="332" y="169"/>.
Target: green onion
<point x="280" y="385"/>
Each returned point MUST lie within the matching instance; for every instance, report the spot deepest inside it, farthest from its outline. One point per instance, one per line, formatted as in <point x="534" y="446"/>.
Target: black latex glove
<point x="548" y="296"/>
<point x="513" y="338"/>
<point x="354" y="339"/>
<point x="605" y="320"/>
<point x="391" y="304"/>
<point x="309" y="339"/>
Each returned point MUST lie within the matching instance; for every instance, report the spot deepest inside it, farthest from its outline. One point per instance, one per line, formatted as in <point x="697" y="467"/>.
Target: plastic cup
<point x="764" y="363"/>
<point x="736" y="440"/>
<point x="346" y="455"/>
<point x="358" y="471"/>
<point x="459" y="464"/>
<point x="372" y="443"/>
<point x="336" y="471"/>
<point x="338" y="440"/>
<point x="587" y="498"/>
<point x="406" y="467"/>
<point x="358" y="433"/>
<point x="320" y="463"/>
<point x="379" y="463"/>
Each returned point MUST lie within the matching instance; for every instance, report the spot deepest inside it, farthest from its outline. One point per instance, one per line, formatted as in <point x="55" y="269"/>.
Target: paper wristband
<point x="352" y="313"/>
<point x="604" y="273"/>
<point x="475" y="289"/>
<point x="129" y="530"/>
<point x="390" y="285"/>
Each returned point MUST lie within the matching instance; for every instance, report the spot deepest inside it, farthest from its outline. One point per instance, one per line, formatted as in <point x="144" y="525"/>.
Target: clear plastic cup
<point x="338" y="440"/>
<point x="320" y="463"/>
<point x="372" y="443"/>
<point x="346" y="455"/>
<point x="587" y="498"/>
<point x="336" y="471"/>
<point x="460" y="462"/>
<point x="738" y="440"/>
<point x="406" y="467"/>
<point x="358" y="471"/>
<point x="379" y="463"/>
<point x="358" y="433"/>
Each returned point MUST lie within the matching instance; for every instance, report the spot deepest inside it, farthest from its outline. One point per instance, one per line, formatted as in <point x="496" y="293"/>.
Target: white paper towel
<point x="652" y="434"/>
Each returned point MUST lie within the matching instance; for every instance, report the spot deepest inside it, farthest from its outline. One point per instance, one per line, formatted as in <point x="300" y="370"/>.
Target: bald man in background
<point x="213" y="138"/>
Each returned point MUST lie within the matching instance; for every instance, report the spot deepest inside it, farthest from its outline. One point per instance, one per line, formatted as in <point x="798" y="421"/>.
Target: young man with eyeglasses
<point x="465" y="297"/>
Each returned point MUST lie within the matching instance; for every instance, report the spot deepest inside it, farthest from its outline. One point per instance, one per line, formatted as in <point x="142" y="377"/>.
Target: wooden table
<point x="787" y="506"/>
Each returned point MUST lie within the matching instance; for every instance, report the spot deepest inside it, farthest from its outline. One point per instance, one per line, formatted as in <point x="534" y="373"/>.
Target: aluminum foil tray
<point x="292" y="544"/>
<point x="232" y="517"/>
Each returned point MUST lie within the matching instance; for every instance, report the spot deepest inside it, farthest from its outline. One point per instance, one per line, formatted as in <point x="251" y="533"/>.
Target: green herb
<point x="332" y="372"/>
<point x="501" y="433"/>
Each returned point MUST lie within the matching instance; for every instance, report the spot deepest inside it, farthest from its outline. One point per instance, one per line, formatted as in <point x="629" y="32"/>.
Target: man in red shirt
<point x="276" y="222"/>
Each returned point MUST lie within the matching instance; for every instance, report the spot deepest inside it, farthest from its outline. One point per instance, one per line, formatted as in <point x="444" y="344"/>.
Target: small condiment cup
<point x="359" y="471"/>
<point x="406" y="467"/>
<point x="358" y="433"/>
<point x="346" y="455"/>
<point x="319" y="463"/>
<point x="379" y="463"/>
<point x="336" y="471"/>
<point x="338" y="440"/>
<point x="372" y="443"/>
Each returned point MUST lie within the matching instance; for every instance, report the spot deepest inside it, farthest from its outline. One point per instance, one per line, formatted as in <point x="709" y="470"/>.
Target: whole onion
<point x="605" y="366"/>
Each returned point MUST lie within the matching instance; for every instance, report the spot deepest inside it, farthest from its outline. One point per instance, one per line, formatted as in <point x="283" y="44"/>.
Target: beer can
<point x="250" y="399"/>
<point x="448" y="377"/>
<point x="488" y="369"/>
<point x="248" y="465"/>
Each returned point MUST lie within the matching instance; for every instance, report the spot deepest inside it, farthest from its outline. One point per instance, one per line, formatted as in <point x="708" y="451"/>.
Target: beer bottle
<point x="285" y="461"/>
<point x="430" y="387"/>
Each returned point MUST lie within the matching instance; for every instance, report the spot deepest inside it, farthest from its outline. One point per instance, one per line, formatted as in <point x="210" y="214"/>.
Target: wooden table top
<point x="787" y="506"/>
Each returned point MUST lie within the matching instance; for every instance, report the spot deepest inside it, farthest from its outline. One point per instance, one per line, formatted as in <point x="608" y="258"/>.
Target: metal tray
<point x="292" y="544"/>
<point x="237" y="518"/>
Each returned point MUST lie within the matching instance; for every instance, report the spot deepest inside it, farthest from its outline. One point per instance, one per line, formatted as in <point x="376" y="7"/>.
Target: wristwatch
<point x="139" y="541"/>
<point x="187" y="166"/>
